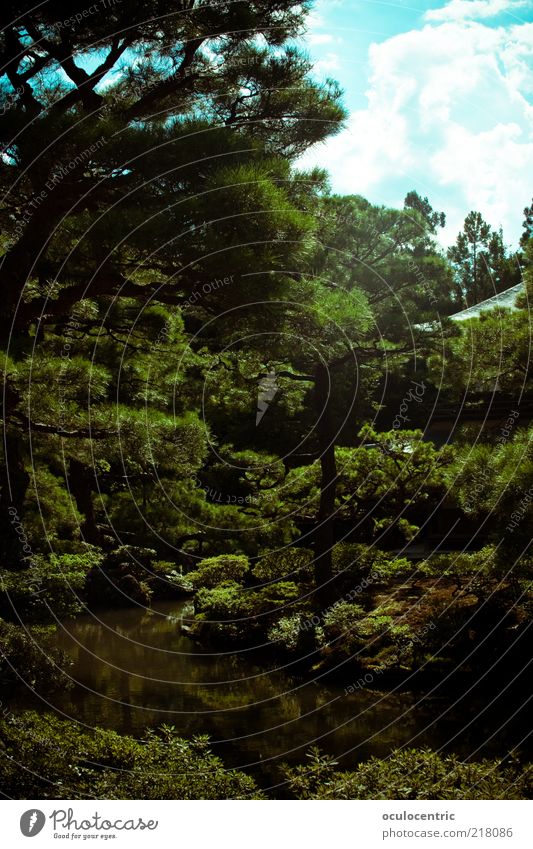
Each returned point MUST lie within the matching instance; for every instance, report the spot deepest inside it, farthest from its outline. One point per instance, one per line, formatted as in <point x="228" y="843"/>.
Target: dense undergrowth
<point x="44" y="757"/>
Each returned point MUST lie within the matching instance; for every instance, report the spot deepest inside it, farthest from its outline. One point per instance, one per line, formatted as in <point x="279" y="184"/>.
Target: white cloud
<point x="324" y="67"/>
<point x="490" y="168"/>
<point x="315" y="38"/>
<point x="447" y="114"/>
<point x="460" y="10"/>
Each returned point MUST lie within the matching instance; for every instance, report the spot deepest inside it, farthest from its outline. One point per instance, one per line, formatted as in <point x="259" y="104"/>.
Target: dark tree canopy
<point x="422" y="205"/>
<point x="111" y="116"/>
<point x="527" y="225"/>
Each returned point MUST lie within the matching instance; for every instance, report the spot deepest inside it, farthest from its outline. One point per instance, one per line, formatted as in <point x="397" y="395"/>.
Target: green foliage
<point x="167" y="582"/>
<point x="481" y="262"/>
<point x="289" y="563"/>
<point x="341" y="619"/>
<point x="290" y="634"/>
<point x="368" y="640"/>
<point x="465" y="609"/>
<point x="147" y="297"/>
<point x="114" y="390"/>
<point x="488" y="355"/>
<point x="57" y="586"/>
<point x="379" y="483"/>
<point x="121" y="579"/>
<point x="410" y="774"/>
<point x="362" y="566"/>
<point x="27" y="656"/>
<point x="227" y="601"/>
<point x="207" y="121"/>
<point x="474" y="569"/>
<point x="527" y="224"/>
<point x="216" y="570"/>
<point x="422" y="207"/>
<point x="494" y="481"/>
<point x="63" y="762"/>
<point x="50" y="508"/>
<point x="232" y="613"/>
<point x="362" y="244"/>
<point x="49" y="587"/>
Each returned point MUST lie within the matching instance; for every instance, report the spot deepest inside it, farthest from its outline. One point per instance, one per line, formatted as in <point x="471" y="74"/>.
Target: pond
<point x="134" y="668"/>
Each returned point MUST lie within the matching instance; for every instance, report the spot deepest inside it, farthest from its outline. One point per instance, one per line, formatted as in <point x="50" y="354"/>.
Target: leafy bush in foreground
<point x="44" y="757"/>
<point x="409" y="774"/>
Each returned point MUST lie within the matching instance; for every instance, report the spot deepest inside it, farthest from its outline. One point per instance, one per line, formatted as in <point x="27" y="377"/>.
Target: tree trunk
<point x="475" y="275"/>
<point x="20" y="263"/>
<point x="80" y="485"/>
<point x="324" y="533"/>
<point x="14" y="544"/>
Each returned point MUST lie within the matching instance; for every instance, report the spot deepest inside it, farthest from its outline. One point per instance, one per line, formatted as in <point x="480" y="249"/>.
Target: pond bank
<point x="134" y="669"/>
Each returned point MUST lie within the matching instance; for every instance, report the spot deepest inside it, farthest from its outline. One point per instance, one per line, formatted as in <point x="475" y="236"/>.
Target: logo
<point x="32" y="822"/>
<point x="268" y="389"/>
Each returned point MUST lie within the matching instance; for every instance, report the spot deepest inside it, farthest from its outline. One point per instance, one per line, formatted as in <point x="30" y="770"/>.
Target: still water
<point x="134" y="669"/>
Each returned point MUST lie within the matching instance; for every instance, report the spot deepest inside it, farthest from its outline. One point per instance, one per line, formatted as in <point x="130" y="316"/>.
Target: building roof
<point x="502" y="299"/>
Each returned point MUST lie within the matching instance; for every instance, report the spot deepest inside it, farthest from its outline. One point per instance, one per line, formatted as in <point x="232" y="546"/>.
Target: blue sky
<point x="441" y="100"/>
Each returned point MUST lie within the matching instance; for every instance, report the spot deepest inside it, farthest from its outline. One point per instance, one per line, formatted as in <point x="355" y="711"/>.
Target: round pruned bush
<point x="215" y="570"/>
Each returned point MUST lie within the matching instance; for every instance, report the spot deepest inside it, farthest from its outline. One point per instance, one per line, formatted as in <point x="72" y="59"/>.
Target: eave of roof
<point x="505" y="300"/>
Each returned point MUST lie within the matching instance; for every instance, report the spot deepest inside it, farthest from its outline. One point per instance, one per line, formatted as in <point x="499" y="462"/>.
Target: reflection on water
<point x="134" y="669"/>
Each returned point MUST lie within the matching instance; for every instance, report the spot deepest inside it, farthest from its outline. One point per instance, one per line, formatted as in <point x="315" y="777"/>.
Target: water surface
<point x="134" y="669"/>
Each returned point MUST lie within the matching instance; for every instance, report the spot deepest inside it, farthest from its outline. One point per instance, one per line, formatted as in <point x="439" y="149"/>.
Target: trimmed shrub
<point x="235" y="614"/>
<point x="215" y="570"/>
